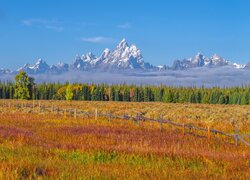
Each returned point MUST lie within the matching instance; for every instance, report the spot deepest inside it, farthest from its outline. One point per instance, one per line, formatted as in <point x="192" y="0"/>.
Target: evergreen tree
<point x="192" y="98"/>
<point x="222" y="100"/>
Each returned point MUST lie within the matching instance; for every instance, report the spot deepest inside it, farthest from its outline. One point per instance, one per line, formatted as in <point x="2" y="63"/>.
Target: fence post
<point x="124" y="115"/>
<point x="39" y="107"/>
<point x="183" y="129"/>
<point x="33" y="105"/>
<point x="109" y="116"/>
<point x="208" y="133"/>
<point x="75" y="113"/>
<point x="138" y="119"/>
<point x="65" y="113"/>
<point x="236" y="134"/>
<point x="161" y="122"/>
<point x="96" y="114"/>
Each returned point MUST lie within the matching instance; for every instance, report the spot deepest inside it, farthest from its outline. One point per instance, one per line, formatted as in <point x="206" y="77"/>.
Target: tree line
<point x="25" y="88"/>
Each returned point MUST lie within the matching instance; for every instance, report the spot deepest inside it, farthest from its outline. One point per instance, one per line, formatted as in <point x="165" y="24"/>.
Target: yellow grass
<point x="47" y="145"/>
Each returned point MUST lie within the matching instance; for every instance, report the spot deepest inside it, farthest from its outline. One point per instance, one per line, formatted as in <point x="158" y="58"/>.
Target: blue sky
<point x="164" y="30"/>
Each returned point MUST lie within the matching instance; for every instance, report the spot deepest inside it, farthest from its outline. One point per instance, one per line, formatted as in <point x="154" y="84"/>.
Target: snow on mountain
<point x="217" y="60"/>
<point x="79" y="63"/>
<point x="89" y="57"/>
<point x="161" y="68"/>
<point x="123" y="57"/>
<point x="197" y="61"/>
<point x="39" y="67"/>
<point x="200" y="61"/>
<point x="26" y="68"/>
<point x="4" y="71"/>
<point x="239" y="66"/>
<point x="59" y="68"/>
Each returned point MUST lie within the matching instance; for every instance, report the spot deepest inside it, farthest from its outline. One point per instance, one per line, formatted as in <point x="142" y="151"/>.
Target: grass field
<point x="48" y="145"/>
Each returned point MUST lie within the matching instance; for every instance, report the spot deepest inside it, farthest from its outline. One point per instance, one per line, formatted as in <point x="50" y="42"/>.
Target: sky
<point x="164" y="30"/>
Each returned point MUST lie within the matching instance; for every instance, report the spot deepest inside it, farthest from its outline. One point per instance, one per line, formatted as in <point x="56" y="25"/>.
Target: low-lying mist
<point x="207" y="77"/>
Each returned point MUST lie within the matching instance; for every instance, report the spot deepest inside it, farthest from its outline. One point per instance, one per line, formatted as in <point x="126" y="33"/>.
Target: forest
<point x="123" y="92"/>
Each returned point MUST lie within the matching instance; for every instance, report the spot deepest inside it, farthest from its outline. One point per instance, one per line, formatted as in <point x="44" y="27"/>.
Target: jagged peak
<point x="88" y="56"/>
<point x="216" y="56"/>
<point x="123" y="40"/>
<point x="106" y="50"/>
<point x="127" y="56"/>
<point x="199" y="59"/>
<point x="134" y="48"/>
<point x="105" y="53"/>
<point x="26" y="65"/>
<point x="40" y="61"/>
<point x="122" y="44"/>
<point x="61" y="64"/>
<point x="199" y="55"/>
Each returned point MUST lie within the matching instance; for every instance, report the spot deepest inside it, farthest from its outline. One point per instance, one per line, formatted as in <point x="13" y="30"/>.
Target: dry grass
<point x="48" y="145"/>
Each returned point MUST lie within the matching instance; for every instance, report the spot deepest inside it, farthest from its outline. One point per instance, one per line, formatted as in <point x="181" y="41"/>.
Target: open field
<point x="37" y="144"/>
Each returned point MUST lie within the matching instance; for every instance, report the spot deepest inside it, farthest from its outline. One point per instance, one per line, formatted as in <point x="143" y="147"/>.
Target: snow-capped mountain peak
<point x="39" y="61"/>
<point x="239" y="66"/>
<point x="40" y="65"/>
<point x="25" y="66"/>
<point x="123" y="44"/>
<point x="124" y="57"/>
<point x="216" y="56"/>
<point x="105" y="53"/>
<point x="199" y="60"/>
<point x="135" y="52"/>
<point x="59" y="68"/>
<point x="88" y="57"/>
<point x="4" y="71"/>
<point x="199" y="55"/>
<point x="218" y="60"/>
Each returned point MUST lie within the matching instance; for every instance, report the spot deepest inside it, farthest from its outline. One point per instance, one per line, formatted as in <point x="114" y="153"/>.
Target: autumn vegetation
<point x="37" y="144"/>
<point x="24" y="87"/>
<point x="40" y="143"/>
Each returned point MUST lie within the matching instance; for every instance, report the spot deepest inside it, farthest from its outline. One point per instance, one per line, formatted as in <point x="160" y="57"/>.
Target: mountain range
<point x="123" y="57"/>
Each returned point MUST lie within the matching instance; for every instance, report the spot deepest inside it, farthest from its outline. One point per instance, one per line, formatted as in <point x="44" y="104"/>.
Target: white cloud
<point x="51" y="24"/>
<point x="55" y="28"/>
<point x="27" y="22"/>
<point x="33" y="21"/>
<point x="125" y="26"/>
<point x="98" y="39"/>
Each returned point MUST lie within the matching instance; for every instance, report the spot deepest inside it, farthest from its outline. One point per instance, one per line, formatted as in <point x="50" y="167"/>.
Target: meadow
<point x="48" y="145"/>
